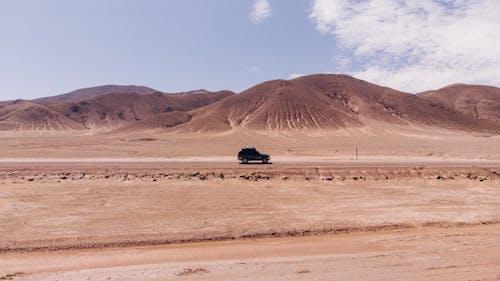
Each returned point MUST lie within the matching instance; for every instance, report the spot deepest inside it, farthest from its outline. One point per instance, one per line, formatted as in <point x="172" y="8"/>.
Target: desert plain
<point x="143" y="207"/>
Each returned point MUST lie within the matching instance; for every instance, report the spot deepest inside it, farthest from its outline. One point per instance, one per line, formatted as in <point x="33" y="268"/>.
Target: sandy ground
<point x="354" y="220"/>
<point x="416" y="205"/>
<point x="464" y="253"/>
<point x="383" y="143"/>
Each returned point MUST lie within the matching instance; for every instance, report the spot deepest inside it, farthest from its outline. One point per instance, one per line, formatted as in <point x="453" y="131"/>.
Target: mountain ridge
<point x="326" y="101"/>
<point x="105" y="112"/>
<point x="314" y="102"/>
<point x="92" y="92"/>
<point x="479" y="101"/>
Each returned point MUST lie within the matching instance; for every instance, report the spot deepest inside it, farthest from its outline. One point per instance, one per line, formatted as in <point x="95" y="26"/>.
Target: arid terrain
<point x="305" y="104"/>
<point x="366" y="183"/>
<point x="355" y="219"/>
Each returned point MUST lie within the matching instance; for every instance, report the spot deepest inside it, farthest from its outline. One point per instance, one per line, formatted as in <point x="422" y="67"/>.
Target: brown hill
<point x="92" y="92"/>
<point x="28" y="116"/>
<point x="473" y="100"/>
<point x="162" y="120"/>
<point x="316" y="102"/>
<point x="326" y="102"/>
<point x="116" y="110"/>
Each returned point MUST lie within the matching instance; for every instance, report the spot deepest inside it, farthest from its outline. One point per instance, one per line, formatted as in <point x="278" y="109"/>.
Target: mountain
<point x="473" y="100"/>
<point x="29" y="116"/>
<point x="327" y="101"/>
<point x="315" y="102"/>
<point x="89" y="93"/>
<point x="105" y="111"/>
<point x="161" y="120"/>
<point x="117" y="110"/>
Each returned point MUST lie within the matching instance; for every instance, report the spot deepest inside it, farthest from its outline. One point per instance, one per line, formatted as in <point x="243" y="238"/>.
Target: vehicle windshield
<point x="250" y="150"/>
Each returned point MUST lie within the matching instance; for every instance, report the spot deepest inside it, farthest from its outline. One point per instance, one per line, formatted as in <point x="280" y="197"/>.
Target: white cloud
<point x="415" y="45"/>
<point x="253" y="69"/>
<point x="295" y="75"/>
<point x="261" y="11"/>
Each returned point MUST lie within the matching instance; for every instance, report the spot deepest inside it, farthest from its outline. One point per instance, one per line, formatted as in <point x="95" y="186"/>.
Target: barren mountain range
<point x="477" y="101"/>
<point x="92" y="92"/>
<point x="316" y="102"/>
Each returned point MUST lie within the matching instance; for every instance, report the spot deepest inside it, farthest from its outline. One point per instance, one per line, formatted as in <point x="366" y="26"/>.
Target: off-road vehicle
<point x="251" y="154"/>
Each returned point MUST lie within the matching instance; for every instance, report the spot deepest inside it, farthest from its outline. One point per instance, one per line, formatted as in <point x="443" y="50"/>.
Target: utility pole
<point x="356" y="153"/>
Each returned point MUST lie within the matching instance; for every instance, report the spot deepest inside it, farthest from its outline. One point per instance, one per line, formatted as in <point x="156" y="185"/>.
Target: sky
<point x="52" y="47"/>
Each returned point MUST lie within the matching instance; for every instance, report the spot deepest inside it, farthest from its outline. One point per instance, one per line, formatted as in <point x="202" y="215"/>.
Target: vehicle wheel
<point x="264" y="161"/>
<point x="244" y="161"/>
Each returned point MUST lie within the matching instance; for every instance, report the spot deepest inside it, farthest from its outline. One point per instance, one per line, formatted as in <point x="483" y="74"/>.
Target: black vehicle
<point x="251" y="154"/>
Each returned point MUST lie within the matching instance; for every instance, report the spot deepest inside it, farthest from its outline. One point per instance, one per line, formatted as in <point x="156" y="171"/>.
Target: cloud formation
<point x="295" y="75"/>
<point x="253" y="68"/>
<point x="261" y="11"/>
<point x="414" y="45"/>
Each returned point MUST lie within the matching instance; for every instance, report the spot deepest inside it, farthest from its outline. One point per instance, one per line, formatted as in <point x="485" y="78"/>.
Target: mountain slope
<point x="326" y="102"/>
<point x="473" y="100"/>
<point x="28" y="116"/>
<point x="92" y="92"/>
<point x="162" y="120"/>
<point x="116" y="110"/>
<point x="316" y="102"/>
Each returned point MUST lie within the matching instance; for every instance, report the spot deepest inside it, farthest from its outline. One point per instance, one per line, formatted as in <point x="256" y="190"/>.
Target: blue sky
<point x="51" y="47"/>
